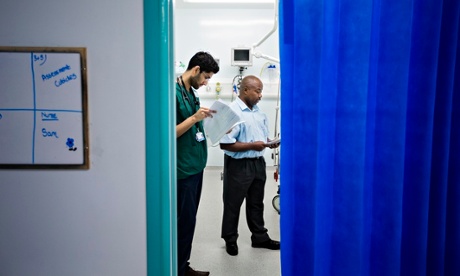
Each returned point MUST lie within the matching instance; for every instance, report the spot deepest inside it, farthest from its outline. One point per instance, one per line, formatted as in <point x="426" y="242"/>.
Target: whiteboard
<point x="43" y="102"/>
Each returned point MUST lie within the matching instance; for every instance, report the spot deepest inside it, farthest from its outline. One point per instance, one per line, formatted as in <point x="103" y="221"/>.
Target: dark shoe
<point x="232" y="248"/>
<point x="269" y="244"/>
<point x="192" y="272"/>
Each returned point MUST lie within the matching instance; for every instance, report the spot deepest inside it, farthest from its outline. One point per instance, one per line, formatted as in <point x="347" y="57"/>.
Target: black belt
<point x="248" y="158"/>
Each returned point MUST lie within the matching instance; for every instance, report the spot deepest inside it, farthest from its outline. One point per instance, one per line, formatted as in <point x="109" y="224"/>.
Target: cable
<point x="238" y="78"/>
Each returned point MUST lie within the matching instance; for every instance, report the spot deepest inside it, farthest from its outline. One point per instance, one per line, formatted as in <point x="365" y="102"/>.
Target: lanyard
<point x="193" y="104"/>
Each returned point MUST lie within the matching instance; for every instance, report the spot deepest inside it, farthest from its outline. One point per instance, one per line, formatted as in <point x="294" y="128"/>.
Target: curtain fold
<point x="371" y="142"/>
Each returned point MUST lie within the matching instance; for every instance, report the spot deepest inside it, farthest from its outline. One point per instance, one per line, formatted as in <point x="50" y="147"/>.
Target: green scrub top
<point x="191" y="154"/>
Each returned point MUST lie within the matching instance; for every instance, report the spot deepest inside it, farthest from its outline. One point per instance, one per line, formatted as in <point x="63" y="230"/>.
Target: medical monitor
<point x="241" y="56"/>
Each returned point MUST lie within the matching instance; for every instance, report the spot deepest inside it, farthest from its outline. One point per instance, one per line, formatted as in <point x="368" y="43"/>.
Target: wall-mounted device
<point x="241" y="56"/>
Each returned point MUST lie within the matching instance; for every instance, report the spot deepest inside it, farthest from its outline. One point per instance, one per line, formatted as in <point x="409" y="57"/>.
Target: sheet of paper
<point x="275" y="141"/>
<point x="221" y="122"/>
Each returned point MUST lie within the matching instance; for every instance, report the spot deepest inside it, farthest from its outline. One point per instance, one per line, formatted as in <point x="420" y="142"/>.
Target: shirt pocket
<point x="263" y="127"/>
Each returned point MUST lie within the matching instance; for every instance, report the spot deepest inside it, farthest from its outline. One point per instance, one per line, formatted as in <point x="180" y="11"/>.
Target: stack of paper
<point x="275" y="141"/>
<point x="221" y="122"/>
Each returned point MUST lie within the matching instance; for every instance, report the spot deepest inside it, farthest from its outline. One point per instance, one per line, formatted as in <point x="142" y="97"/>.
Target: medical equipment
<point x="276" y="201"/>
<point x="275" y="27"/>
<point x="236" y="83"/>
<point x="241" y="56"/>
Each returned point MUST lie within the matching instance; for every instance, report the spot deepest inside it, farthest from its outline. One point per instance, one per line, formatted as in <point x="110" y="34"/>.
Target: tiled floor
<point x="208" y="252"/>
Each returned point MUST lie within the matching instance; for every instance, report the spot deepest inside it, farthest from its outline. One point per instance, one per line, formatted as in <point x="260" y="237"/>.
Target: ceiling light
<point x="220" y="23"/>
<point x="229" y="1"/>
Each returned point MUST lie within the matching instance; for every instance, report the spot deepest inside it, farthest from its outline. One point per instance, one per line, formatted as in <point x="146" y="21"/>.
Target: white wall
<point x="216" y="30"/>
<point x="65" y="222"/>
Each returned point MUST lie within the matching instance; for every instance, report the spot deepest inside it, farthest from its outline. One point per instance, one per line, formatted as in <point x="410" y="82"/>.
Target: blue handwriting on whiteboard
<point x="46" y="133"/>
<point x="1" y="116"/>
<point x="49" y="117"/>
<point x="41" y="57"/>
<point x="55" y="72"/>
<point x="70" y="144"/>
<point x="64" y="80"/>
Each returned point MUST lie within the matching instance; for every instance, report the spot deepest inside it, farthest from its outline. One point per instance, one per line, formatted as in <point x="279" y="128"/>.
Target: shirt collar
<point x="244" y="107"/>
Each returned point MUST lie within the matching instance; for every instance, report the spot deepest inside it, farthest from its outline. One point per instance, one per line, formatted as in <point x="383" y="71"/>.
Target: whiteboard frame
<point x="84" y="105"/>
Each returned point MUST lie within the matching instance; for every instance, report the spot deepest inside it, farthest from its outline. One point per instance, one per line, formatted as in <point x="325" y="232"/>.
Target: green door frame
<point x="160" y="137"/>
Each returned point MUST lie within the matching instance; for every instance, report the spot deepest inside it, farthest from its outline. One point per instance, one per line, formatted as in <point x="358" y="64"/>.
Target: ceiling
<point x="224" y="4"/>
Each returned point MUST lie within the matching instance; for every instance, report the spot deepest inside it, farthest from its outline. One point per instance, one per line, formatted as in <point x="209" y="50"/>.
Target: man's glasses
<point x="206" y="77"/>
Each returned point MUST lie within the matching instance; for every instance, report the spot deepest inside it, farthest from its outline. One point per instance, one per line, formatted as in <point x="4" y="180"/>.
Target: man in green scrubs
<point x="192" y="152"/>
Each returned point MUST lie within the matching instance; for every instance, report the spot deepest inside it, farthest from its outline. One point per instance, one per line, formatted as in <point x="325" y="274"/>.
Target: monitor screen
<point x="241" y="56"/>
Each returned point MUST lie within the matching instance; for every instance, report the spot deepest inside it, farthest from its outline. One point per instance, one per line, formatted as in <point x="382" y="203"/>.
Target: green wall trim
<point x="160" y="137"/>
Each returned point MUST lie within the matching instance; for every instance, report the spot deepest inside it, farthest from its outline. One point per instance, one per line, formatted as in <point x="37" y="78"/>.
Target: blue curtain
<point x="370" y="123"/>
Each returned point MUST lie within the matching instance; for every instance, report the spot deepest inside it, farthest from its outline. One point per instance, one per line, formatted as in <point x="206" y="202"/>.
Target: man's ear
<point x="196" y="70"/>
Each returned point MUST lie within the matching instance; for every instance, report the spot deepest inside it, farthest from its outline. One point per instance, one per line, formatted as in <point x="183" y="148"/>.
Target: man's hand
<point x="273" y="145"/>
<point x="258" y="145"/>
<point x="202" y="113"/>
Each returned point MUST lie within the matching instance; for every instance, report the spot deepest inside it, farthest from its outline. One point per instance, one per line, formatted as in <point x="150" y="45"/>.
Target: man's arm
<point x="202" y="113"/>
<point x="240" y="146"/>
<point x="185" y="125"/>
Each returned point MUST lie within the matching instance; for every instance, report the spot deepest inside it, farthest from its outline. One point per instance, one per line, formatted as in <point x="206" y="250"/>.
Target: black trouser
<point x="188" y="199"/>
<point x="244" y="179"/>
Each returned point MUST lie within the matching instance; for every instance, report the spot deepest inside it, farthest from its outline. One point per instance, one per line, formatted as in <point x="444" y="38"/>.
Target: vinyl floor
<point x="208" y="250"/>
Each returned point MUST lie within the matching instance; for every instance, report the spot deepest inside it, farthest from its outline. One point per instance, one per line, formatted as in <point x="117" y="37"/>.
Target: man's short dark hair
<point x="206" y="62"/>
